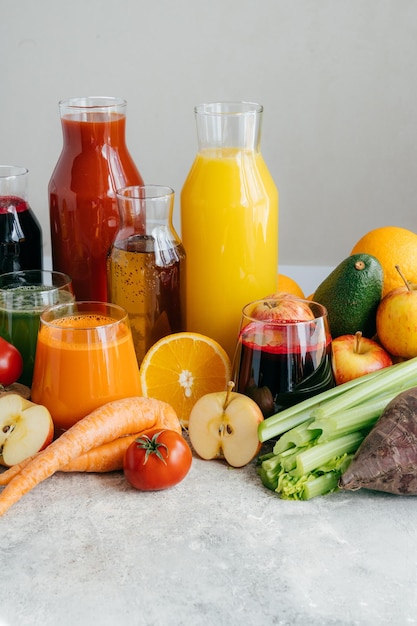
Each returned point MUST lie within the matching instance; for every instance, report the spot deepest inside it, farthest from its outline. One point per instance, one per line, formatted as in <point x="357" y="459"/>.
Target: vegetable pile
<point x="114" y="425"/>
<point x="319" y="437"/>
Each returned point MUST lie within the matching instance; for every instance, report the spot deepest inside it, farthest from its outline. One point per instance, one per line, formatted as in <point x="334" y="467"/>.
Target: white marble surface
<point x="217" y="549"/>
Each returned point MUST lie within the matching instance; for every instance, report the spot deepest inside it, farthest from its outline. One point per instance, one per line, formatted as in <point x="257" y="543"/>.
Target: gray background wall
<point x="337" y="79"/>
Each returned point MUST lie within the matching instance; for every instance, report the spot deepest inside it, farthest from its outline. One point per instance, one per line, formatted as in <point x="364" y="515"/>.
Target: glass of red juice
<point x="283" y="353"/>
<point x="23" y="297"/>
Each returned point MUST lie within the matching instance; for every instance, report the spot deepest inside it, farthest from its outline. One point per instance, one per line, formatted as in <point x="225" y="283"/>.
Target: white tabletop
<point x="217" y="549"/>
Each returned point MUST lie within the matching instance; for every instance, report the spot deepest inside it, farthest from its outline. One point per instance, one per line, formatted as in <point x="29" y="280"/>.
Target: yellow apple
<point x="25" y="429"/>
<point x="225" y="424"/>
<point x="396" y="321"/>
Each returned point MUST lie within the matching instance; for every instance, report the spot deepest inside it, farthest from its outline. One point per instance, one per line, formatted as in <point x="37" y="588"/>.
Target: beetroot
<point x="387" y="458"/>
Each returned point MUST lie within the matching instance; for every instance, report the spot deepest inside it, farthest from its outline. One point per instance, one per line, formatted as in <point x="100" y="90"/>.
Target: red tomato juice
<point x="84" y="216"/>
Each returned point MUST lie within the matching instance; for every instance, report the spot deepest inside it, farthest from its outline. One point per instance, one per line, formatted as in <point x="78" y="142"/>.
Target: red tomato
<point x="157" y="459"/>
<point x="11" y="363"/>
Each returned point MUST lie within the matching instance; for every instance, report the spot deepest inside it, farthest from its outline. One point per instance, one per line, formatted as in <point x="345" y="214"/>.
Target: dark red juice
<point x="20" y="236"/>
<point x="277" y="378"/>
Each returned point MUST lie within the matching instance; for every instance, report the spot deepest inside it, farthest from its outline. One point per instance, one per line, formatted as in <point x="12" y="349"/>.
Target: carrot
<point x="105" y="458"/>
<point x="10" y="472"/>
<point x="111" y="421"/>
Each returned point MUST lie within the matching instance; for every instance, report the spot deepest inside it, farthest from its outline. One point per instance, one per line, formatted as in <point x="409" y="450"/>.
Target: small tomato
<point x="156" y="460"/>
<point x="11" y="363"/>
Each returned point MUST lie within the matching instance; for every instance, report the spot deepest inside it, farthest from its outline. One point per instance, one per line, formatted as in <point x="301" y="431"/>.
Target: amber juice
<point x="147" y="285"/>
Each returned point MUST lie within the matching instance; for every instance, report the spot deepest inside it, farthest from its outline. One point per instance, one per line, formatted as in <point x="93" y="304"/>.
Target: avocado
<point x="351" y="294"/>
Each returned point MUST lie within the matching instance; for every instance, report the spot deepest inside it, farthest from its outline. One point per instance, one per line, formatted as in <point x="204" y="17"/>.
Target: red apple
<point x="25" y="428"/>
<point x="283" y="308"/>
<point x="354" y="356"/>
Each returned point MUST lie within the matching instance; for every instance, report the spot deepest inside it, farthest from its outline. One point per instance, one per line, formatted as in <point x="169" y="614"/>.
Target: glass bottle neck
<point x="13" y="181"/>
<point x="145" y="210"/>
<point x="93" y="121"/>
<point x="229" y="125"/>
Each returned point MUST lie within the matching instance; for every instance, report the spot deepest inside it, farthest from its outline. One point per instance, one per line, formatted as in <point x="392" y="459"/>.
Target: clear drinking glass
<point x="23" y="296"/>
<point x="280" y="361"/>
<point x="84" y="358"/>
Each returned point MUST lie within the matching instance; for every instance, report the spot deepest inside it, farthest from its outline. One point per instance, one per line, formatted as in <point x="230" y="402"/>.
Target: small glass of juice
<point x="23" y="296"/>
<point x="283" y="353"/>
<point x="85" y="357"/>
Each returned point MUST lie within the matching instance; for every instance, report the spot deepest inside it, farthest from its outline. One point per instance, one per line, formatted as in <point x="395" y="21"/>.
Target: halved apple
<point x="25" y="429"/>
<point x="224" y="424"/>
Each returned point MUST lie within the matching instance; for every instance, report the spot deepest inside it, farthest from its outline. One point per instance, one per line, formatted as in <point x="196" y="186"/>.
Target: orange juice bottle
<point x="229" y="221"/>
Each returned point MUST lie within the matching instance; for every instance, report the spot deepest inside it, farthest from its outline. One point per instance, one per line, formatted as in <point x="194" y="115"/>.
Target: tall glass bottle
<point x="146" y="265"/>
<point x="93" y="164"/>
<point x="20" y="231"/>
<point x="229" y="221"/>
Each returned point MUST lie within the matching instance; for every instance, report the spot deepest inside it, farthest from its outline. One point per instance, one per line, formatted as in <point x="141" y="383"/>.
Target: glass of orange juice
<point x="85" y="357"/>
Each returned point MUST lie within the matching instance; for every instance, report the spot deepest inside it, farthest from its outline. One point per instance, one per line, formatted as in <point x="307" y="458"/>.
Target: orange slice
<point x="182" y="367"/>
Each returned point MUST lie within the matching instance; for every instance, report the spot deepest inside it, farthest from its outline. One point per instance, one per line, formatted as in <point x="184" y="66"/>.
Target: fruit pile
<point x="371" y="302"/>
<point x="371" y="299"/>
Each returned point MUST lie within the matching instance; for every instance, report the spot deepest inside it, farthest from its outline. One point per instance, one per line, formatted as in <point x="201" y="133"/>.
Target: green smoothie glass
<point x="23" y="297"/>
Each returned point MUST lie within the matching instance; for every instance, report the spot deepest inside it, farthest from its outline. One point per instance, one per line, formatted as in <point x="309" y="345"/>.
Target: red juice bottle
<point x="93" y="165"/>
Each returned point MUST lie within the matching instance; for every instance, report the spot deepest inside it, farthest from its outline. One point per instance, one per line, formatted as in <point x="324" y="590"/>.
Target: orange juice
<point x="82" y="362"/>
<point x="229" y="228"/>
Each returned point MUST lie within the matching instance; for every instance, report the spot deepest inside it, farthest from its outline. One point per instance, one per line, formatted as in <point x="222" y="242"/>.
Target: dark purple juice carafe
<point x="20" y="232"/>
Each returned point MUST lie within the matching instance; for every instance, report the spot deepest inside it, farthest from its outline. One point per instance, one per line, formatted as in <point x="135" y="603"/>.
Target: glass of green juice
<point x="23" y="297"/>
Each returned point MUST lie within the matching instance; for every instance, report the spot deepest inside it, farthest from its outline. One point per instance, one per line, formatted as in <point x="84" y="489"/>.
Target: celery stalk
<point x="349" y="420"/>
<point x="322" y="453"/>
<point x="293" y="416"/>
<point x="289" y="461"/>
<point x="356" y="392"/>
<point x="320" y="485"/>
<point x="269" y="479"/>
<point x="285" y="420"/>
<point x="296" y="437"/>
<point x="272" y="463"/>
<point x="395" y="378"/>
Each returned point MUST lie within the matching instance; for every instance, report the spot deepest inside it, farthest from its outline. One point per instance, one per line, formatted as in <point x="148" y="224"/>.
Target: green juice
<point x="20" y="310"/>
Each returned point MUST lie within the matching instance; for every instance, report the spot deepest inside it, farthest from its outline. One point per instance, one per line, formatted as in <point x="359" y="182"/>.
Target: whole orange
<point x="391" y="245"/>
<point x="289" y="285"/>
